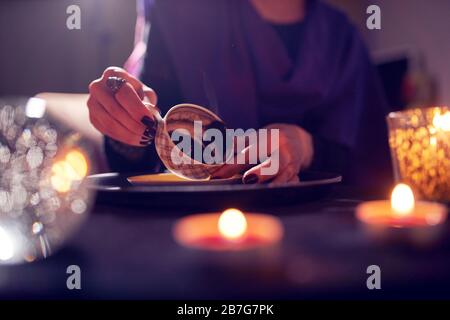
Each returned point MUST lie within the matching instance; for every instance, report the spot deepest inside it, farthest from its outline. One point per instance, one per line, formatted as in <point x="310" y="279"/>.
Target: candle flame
<point x="402" y="200"/>
<point x="232" y="224"/>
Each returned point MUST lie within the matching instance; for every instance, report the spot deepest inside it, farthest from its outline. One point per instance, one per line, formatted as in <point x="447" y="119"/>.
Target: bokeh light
<point x="6" y="245"/>
<point x="232" y="224"/>
<point x="43" y="190"/>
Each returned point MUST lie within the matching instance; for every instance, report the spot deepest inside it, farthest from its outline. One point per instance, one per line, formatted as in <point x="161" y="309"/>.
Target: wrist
<point x="130" y="152"/>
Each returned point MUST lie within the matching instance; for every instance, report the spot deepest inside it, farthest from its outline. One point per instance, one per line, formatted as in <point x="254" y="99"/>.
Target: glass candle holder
<point x="420" y="147"/>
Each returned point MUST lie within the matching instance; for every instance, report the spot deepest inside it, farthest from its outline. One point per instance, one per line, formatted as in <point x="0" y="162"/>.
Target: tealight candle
<point x="402" y="212"/>
<point x="230" y="230"/>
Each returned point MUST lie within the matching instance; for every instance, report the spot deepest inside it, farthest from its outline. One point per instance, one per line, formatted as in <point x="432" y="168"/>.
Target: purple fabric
<point x="226" y="57"/>
<point x="229" y="59"/>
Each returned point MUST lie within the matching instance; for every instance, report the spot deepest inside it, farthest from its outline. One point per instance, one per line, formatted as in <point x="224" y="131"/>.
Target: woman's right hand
<point x="128" y="115"/>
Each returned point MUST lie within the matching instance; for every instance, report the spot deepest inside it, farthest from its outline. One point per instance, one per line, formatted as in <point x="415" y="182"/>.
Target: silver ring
<point x="115" y="83"/>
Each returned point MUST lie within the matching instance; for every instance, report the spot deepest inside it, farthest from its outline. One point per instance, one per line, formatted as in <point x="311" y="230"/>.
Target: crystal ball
<point x="43" y="189"/>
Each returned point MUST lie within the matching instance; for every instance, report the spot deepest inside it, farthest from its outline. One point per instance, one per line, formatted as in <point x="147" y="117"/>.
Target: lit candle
<point x="229" y="230"/>
<point x="402" y="212"/>
<point x="420" y="146"/>
<point x="232" y="224"/>
<point x="402" y="200"/>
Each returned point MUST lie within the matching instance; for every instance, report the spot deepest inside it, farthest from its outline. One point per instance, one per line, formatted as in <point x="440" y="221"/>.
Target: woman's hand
<point x="126" y="115"/>
<point x="292" y="152"/>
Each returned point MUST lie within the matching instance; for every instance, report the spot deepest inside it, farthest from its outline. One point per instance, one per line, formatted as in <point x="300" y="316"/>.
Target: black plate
<point x="114" y="189"/>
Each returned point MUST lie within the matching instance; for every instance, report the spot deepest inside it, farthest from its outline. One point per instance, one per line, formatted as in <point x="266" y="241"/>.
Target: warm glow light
<point x="232" y="224"/>
<point x="78" y="162"/>
<point x="6" y="246"/>
<point x="402" y="200"/>
<point x="433" y="141"/>
<point x="73" y="168"/>
<point x="61" y="177"/>
<point x="442" y="121"/>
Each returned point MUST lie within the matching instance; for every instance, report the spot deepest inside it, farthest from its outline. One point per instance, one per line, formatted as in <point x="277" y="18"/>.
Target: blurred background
<point x="38" y="53"/>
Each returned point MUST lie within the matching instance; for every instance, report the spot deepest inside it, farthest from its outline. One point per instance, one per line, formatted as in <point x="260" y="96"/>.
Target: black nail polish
<point x="152" y="131"/>
<point x="146" y="133"/>
<point x="147" y="121"/>
<point x="149" y="133"/>
<point x="144" y="142"/>
<point x="251" y="179"/>
<point x="147" y="140"/>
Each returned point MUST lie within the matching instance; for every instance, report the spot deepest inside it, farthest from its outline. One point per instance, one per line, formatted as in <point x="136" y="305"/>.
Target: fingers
<point x="114" y="109"/>
<point x="121" y="110"/>
<point x="278" y="168"/>
<point x="286" y="155"/>
<point x="144" y="93"/>
<point x="133" y="90"/>
<point x="134" y="106"/>
<point x="261" y="172"/>
<point x="121" y="73"/>
<point x="242" y="161"/>
<point x="109" y="126"/>
<point x="285" y="175"/>
<point x="229" y="170"/>
<point x="132" y="96"/>
<point x="257" y="175"/>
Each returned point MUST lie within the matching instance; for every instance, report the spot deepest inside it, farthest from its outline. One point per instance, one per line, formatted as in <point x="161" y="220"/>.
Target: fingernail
<point x="146" y="139"/>
<point x="144" y="142"/>
<point x="149" y="133"/>
<point x="251" y="179"/>
<point x="148" y="122"/>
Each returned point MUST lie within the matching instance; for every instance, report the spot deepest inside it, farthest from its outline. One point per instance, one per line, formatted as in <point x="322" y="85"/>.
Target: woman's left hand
<point x="293" y="152"/>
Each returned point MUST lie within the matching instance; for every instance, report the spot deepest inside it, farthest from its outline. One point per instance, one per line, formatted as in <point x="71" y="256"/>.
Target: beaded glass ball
<point x="43" y="170"/>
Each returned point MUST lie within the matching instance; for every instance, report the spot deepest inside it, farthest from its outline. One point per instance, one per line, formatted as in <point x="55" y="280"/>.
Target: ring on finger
<point x="115" y="83"/>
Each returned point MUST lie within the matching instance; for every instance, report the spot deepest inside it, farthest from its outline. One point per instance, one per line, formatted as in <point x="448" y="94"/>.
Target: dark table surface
<point x="130" y="253"/>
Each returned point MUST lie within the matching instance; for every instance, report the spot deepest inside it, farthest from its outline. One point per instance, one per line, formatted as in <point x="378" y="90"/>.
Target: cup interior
<point x="190" y="122"/>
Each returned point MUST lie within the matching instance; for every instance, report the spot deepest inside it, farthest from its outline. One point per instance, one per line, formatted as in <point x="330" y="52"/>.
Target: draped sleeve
<point x="221" y="54"/>
<point x="150" y="61"/>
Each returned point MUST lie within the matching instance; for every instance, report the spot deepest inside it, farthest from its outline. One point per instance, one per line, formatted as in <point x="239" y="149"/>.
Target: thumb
<point x="240" y="162"/>
<point x="265" y="171"/>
